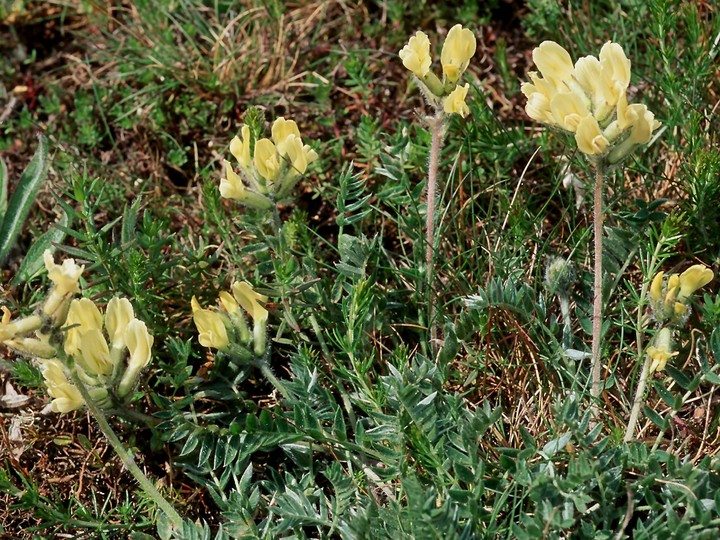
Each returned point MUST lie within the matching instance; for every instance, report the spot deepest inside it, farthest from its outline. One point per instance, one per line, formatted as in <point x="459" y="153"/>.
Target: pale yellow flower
<point x="94" y="354"/>
<point x="458" y="49"/>
<point x="118" y="315"/>
<point x="661" y="350"/>
<point x="555" y="65"/>
<point x="11" y="329"/>
<point x="656" y="288"/>
<point x="82" y="317"/>
<point x="589" y="137"/>
<point x="250" y="300"/>
<point x="211" y="327"/>
<point x="692" y="279"/>
<point x="228" y="302"/>
<point x="66" y="280"/>
<point x="416" y="55"/>
<point x="66" y="396"/>
<point x="281" y="130"/>
<point x="295" y="153"/>
<point x="267" y="160"/>
<point x="568" y="110"/>
<point x="455" y="101"/>
<point x="66" y="277"/>
<point x="231" y="185"/>
<point x="240" y="148"/>
<point x="139" y="344"/>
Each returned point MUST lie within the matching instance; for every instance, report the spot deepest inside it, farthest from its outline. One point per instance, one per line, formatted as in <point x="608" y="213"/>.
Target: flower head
<point x="270" y="170"/>
<point x="692" y="279"/>
<point x="670" y="295"/>
<point x="588" y="99"/>
<point x="459" y="47"/>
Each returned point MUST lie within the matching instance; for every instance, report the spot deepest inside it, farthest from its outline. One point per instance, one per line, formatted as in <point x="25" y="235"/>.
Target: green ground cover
<point x="357" y="423"/>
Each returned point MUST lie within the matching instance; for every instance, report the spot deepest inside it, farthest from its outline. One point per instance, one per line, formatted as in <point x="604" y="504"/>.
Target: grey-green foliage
<point x="14" y="212"/>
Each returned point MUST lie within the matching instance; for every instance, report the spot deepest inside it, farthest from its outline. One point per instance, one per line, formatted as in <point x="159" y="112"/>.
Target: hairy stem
<point x="436" y="140"/>
<point x="598" y="217"/>
<point x="125" y="456"/>
<point x="270" y="376"/>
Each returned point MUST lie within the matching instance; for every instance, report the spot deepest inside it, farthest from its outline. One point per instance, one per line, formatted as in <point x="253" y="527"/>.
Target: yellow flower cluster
<point x="589" y="99"/>
<point x="670" y="296"/>
<point x="100" y="364"/>
<point x="458" y="48"/>
<point x="271" y="171"/>
<point x="226" y="329"/>
<point x="99" y="361"/>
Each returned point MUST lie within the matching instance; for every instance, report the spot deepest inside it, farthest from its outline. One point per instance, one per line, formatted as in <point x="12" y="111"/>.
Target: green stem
<point x="125" y="456"/>
<point x="640" y="392"/>
<point x="436" y="140"/>
<point x="270" y="376"/>
<point x="598" y="217"/>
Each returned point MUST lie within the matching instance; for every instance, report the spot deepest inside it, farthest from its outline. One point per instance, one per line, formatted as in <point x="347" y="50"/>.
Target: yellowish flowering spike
<point x="139" y="343"/>
<point x="118" y="315"/>
<point x="455" y="102"/>
<point x="415" y="55"/>
<point x="661" y="350"/>
<point x="458" y="49"/>
<point x="589" y="99"/>
<point x="240" y="148"/>
<point x="211" y="327"/>
<point x="266" y="160"/>
<point x="66" y="397"/>
<point x="692" y="279"/>
<point x="82" y="317"/>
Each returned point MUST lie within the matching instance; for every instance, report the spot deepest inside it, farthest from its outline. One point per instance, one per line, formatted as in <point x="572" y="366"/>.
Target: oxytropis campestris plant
<point x="87" y="359"/>
<point x="589" y="99"/>
<point x="446" y="96"/>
